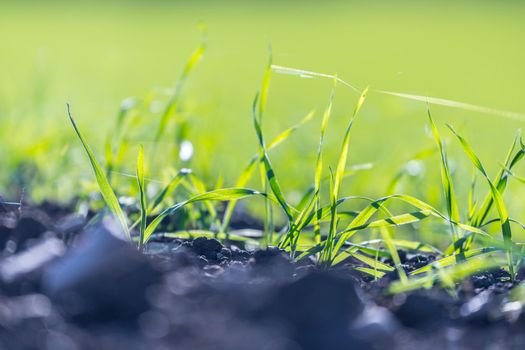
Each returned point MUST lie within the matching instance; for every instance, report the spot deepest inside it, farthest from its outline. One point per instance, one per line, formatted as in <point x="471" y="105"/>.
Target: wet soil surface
<point x="65" y="285"/>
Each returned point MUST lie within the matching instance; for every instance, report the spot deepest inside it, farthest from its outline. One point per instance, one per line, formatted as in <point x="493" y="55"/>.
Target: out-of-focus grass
<point x="96" y="55"/>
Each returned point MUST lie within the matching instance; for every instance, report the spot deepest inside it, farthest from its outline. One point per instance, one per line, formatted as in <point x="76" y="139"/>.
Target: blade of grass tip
<point x="223" y="194"/>
<point x="498" y="200"/>
<point x="319" y="164"/>
<point x="446" y="179"/>
<point x="142" y="194"/>
<point x="341" y="165"/>
<point x="309" y="74"/>
<point x="173" y="103"/>
<point x="268" y="222"/>
<point x="426" y="99"/>
<point x="105" y="189"/>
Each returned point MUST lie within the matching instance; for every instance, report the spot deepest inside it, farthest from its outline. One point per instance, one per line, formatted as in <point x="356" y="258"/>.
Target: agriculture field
<point x="245" y="175"/>
<point x="94" y="56"/>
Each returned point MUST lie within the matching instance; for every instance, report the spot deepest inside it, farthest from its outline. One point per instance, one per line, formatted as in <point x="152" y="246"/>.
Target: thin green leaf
<point x="142" y="193"/>
<point x="105" y="189"/>
<point x="173" y="103"/>
<point x="224" y="194"/>
<point x="496" y="195"/>
<point x="446" y="180"/>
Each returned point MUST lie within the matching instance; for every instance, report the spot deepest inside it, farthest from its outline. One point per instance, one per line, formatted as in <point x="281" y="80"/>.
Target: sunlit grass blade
<point x="373" y="263"/>
<point x="453" y="259"/>
<point x="500" y="182"/>
<point x="168" y="189"/>
<point x="446" y="179"/>
<point x="496" y="195"/>
<point x="426" y="99"/>
<point x="319" y="164"/>
<point x="263" y="169"/>
<point x="224" y="194"/>
<point x="378" y="204"/>
<point x="338" y="177"/>
<point x="142" y="194"/>
<point x="472" y="203"/>
<point x="173" y="103"/>
<point x="455" y="273"/>
<point x="192" y="234"/>
<point x="377" y="274"/>
<point x="105" y="189"/>
<point x="249" y="169"/>
<point x="113" y="154"/>
<point x="269" y="172"/>
<point x="408" y="245"/>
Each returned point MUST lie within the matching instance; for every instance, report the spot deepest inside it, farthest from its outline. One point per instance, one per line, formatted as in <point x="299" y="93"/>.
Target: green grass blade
<point x="173" y="103"/>
<point x="446" y="179"/>
<point x="374" y="273"/>
<point x="496" y="195"/>
<point x="378" y="204"/>
<point x="454" y="273"/>
<point x="341" y="165"/>
<point x="319" y="164"/>
<point x="168" y="189"/>
<point x="373" y="263"/>
<point x="452" y="259"/>
<point x="224" y="194"/>
<point x="269" y="172"/>
<point x="249" y="169"/>
<point x="500" y="181"/>
<point x="105" y="189"/>
<point x="142" y="194"/>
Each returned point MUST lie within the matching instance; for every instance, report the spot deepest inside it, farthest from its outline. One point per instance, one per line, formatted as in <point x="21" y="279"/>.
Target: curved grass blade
<point x="224" y="194"/>
<point x="446" y="179"/>
<point x="168" y="189"/>
<point x="269" y="172"/>
<point x="113" y="156"/>
<point x="248" y="170"/>
<point x="173" y="103"/>
<point x="455" y="273"/>
<point x="105" y="188"/>
<point x="500" y="181"/>
<point x="319" y="164"/>
<point x="496" y="195"/>
<point x="374" y="273"/>
<point x="373" y="263"/>
<point x="408" y="245"/>
<point x="453" y="259"/>
<point x="378" y="204"/>
<point x="341" y="165"/>
<point x="142" y="194"/>
<point x="192" y="234"/>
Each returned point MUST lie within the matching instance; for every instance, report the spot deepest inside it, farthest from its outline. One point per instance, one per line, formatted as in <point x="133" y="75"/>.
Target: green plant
<point x="318" y="225"/>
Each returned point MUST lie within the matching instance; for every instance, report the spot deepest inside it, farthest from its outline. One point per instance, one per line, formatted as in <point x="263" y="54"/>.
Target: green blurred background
<point x="95" y="55"/>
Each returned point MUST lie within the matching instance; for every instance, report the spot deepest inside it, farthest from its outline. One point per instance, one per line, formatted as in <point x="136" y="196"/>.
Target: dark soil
<point x="68" y="286"/>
